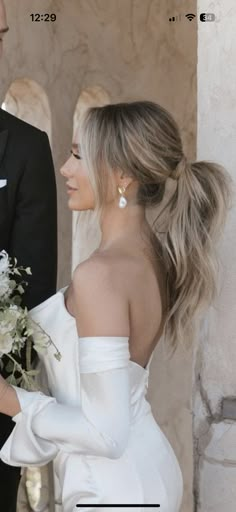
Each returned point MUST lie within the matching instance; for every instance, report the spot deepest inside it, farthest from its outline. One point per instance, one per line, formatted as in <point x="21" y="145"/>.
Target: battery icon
<point x="207" y="16"/>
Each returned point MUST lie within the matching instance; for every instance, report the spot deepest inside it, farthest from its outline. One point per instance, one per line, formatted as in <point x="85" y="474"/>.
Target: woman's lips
<point x="70" y="190"/>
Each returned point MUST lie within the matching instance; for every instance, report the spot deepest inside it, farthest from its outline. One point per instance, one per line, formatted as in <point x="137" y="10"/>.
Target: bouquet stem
<point x="15" y="362"/>
<point x="28" y="354"/>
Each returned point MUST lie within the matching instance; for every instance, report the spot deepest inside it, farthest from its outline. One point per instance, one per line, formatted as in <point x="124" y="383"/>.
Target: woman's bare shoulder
<point x="97" y="273"/>
<point x="91" y="266"/>
<point x="99" y="304"/>
<point x="113" y="270"/>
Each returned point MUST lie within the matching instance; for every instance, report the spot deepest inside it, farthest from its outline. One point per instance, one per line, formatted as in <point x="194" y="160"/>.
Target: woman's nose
<point x="65" y="170"/>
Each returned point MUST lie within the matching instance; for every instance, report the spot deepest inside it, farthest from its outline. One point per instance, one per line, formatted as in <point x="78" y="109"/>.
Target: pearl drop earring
<point x="122" y="200"/>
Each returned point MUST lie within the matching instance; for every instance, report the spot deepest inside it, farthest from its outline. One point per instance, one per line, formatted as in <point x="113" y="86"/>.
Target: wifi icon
<point x="190" y="16"/>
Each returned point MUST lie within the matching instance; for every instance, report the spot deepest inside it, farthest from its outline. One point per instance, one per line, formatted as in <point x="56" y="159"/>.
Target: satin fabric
<point x="94" y="422"/>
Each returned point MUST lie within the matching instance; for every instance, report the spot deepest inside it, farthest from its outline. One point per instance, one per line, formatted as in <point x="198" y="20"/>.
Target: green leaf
<point x="18" y="381"/>
<point x="58" y="356"/>
<point x="12" y="284"/>
<point x="33" y="372"/>
<point x="17" y="300"/>
<point x="9" y="367"/>
<point x="11" y="380"/>
<point x="29" y="332"/>
<point x="39" y="349"/>
<point x="20" y="289"/>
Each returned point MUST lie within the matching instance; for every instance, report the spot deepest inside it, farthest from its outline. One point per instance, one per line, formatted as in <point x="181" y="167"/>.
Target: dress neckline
<point x="60" y="293"/>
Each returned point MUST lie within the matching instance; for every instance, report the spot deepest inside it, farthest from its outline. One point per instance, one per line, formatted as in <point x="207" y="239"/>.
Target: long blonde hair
<point x="143" y="140"/>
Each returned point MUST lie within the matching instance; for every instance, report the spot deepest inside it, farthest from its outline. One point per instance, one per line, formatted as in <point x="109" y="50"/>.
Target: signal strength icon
<point x="190" y="16"/>
<point x="175" y="18"/>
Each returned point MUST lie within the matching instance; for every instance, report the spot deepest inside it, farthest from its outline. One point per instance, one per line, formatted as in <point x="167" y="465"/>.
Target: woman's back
<point x="142" y="283"/>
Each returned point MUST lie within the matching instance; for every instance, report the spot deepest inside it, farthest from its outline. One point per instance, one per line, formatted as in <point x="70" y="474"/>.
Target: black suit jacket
<point x="28" y="230"/>
<point x="28" y="205"/>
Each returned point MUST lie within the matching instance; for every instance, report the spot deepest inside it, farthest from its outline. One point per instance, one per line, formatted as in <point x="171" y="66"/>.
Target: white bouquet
<point x="17" y="329"/>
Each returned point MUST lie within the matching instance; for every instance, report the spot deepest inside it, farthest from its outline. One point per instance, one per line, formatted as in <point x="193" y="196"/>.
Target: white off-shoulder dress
<point x="95" y="423"/>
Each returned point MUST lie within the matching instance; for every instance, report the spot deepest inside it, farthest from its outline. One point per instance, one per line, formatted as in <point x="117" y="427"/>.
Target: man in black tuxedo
<point x="28" y="231"/>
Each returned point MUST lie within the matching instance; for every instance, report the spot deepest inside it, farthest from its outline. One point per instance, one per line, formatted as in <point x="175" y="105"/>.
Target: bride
<point x="93" y="420"/>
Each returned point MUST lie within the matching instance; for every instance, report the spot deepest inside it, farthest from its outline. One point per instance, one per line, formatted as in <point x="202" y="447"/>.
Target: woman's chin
<point x="72" y="204"/>
<point x="77" y="206"/>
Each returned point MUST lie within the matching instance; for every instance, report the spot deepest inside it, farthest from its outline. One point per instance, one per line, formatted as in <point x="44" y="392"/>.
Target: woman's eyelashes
<point x="75" y="155"/>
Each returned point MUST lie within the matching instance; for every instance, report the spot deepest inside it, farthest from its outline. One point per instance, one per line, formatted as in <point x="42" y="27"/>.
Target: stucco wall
<point x="215" y="377"/>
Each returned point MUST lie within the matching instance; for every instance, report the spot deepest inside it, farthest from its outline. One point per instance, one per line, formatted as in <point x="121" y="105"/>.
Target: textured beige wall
<point x="27" y="100"/>
<point x="214" y="425"/>
<point x="85" y="238"/>
<point x="130" y="49"/>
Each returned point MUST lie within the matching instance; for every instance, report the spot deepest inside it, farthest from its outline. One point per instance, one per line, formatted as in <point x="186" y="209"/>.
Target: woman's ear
<point x="124" y="180"/>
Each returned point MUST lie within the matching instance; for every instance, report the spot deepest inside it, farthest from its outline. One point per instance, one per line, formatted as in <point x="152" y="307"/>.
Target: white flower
<point x="4" y="262"/>
<point x="6" y="342"/>
<point x="8" y="318"/>
<point x="5" y="289"/>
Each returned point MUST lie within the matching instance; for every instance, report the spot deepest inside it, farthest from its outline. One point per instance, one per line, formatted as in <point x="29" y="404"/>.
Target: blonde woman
<point x="140" y="283"/>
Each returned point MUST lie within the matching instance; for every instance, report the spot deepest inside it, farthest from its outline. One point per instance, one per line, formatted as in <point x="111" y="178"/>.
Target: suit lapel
<point x="4" y="220"/>
<point x="3" y="142"/>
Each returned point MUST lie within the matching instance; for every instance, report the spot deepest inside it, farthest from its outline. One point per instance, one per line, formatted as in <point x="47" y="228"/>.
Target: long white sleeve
<point x="99" y="425"/>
